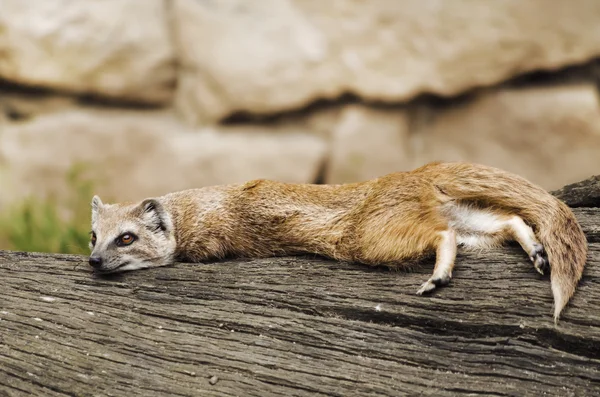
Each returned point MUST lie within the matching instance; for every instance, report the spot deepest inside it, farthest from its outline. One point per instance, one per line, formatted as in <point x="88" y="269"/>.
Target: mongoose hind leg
<point x="523" y="234"/>
<point x="482" y="228"/>
<point x="444" y="262"/>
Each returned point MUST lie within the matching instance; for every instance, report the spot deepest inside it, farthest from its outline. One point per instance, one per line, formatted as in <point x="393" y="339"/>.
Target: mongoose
<point x="384" y="221"/>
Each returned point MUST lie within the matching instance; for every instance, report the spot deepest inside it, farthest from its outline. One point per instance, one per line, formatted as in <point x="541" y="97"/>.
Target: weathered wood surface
<point x="581" y="194"/>
<point x="296" y="327"/>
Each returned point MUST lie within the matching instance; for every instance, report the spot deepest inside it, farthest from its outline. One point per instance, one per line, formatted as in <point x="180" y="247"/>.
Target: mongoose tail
<point x="552" y="220"/>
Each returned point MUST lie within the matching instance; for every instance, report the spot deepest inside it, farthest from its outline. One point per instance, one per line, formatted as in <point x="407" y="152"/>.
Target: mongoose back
<point x="388" y="220"/>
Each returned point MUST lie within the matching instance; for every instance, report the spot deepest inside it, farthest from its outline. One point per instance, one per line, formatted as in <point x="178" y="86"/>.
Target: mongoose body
<point x="386" y="221"/>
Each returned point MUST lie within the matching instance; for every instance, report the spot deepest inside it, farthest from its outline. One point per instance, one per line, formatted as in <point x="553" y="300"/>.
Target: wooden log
<point x="581" y="194"/>
<point x="296" y="327"/>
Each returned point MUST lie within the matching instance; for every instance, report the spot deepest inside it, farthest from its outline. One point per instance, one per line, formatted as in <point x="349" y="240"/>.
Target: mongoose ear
<point x="96" y="205"/>
<point x="155" y="216"/>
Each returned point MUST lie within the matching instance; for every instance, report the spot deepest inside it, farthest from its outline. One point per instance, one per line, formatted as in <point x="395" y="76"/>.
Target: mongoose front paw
<point x="432" y="283"/>
<point x="539" y="258"/>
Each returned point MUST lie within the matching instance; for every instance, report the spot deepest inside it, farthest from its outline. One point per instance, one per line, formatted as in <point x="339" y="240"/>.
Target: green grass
<point x="36" y="225"/>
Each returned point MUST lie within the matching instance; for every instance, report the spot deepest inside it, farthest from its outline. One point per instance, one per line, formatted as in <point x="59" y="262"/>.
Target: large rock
<point x="367" y="143"/>
<point x="135" y="154"/>
<point x="275" y="55"/>
<point x="550" y="134"/>
<point x="113" y="48"/>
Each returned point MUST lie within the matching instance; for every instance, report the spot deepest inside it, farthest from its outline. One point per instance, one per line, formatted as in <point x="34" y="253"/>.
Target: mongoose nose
<point x="95" y="262"/>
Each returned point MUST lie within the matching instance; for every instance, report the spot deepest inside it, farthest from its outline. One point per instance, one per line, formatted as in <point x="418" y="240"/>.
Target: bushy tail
<point x="553" y="221"/>
<point x="566" y="246"/>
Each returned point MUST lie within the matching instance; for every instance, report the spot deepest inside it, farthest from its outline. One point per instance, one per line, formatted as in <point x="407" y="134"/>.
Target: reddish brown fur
<point x="388" y="220"/>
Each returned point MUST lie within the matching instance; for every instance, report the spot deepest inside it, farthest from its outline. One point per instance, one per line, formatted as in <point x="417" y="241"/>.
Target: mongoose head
<point x="130" y="236"/>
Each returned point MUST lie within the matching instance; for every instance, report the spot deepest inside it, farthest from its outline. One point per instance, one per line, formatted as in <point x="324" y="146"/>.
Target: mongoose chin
<point x="388" y="220"/>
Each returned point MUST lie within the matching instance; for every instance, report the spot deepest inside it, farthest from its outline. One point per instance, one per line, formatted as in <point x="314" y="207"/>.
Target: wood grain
<point x="296" y="327"/>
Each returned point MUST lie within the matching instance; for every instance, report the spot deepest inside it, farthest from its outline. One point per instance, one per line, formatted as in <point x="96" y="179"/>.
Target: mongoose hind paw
<point x="432" y="283"/>
<point x="539" y="258"/>
<point x="427" y="286"/>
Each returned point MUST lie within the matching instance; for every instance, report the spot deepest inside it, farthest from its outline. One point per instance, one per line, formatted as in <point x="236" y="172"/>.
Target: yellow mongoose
<point x="382" y="221"/>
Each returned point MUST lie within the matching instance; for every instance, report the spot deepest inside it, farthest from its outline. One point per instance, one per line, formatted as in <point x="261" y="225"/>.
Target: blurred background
<point x="137" y="98"/>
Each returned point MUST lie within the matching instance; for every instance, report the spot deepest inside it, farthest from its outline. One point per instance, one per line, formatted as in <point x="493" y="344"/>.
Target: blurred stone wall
<point x="161" y="95"/>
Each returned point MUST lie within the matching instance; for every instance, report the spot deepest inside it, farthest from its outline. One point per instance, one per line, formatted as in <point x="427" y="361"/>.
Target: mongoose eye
<point x="93" y="238"/>
<point x="125" y="239"/>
